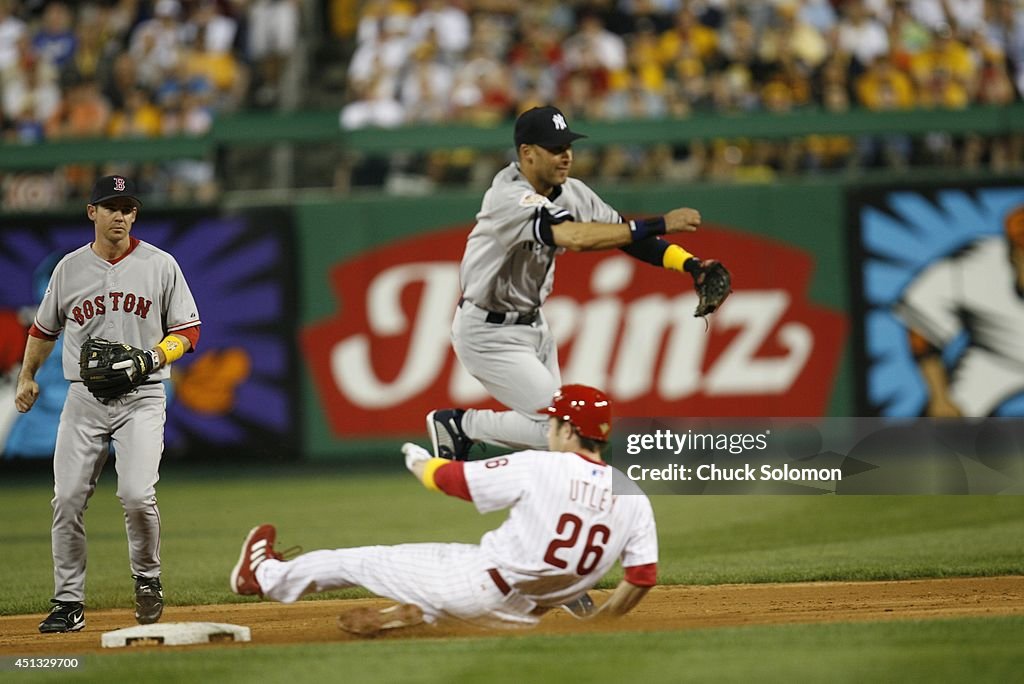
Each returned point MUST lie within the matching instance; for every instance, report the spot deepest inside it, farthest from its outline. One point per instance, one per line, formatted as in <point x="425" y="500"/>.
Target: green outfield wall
<point x="772" y="230"/>
<point x="325" y="322"/>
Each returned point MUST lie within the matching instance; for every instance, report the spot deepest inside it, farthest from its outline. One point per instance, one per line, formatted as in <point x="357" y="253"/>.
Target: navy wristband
<point x="644" y="228"/>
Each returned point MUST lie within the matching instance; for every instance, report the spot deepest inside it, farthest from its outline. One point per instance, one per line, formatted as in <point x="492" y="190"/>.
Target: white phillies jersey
<point x="506" y="265"/>
<point x="565" y="529"/>
<point x="138" y="300"/>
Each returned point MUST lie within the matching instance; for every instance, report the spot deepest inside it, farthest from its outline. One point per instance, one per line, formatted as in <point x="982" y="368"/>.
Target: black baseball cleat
<point x="65" y="616"/>
<point x="446" y="435"/>
<point x="149" y="599"/>
<point x="582" y="607"/>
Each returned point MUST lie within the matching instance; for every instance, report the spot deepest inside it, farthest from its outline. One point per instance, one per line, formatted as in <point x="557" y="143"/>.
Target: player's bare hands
<point x="684" y="220"/>
<point x="28" y="392"/>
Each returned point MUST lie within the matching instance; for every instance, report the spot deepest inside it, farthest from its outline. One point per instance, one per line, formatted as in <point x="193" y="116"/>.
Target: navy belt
<point x="499" y="318"/>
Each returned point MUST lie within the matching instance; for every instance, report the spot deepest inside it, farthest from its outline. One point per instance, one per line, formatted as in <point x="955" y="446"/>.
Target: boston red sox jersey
<point x="138" y="299"/>
<point x="565" y="529"/>
<point x="507" y="265"/>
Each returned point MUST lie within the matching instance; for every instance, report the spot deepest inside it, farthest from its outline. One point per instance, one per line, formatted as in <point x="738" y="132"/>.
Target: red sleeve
<point x="451" y="479"/>
<point x="190" y="334"/>
<point x="642" y="575"/>
<point x="36" y="332"/>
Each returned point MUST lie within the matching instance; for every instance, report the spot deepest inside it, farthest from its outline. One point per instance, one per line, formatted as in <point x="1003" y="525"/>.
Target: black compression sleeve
<point x="650" y="250"/>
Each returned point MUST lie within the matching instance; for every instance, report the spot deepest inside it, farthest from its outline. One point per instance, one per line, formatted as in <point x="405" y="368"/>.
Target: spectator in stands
<point x="594" y="47"/>
<point x="1004" y="30"/>
<point x="687" y="38"/>
<point x="121" y="79"/>
<point x="84" y="112"/>
<point x="818" y="13"/>
<point x="578" y="98"/>
<point x="945" y="58"/>
<point x="273" y="37"/>
<point x="94" y="44"/>
<point x="790" y="38"/>
<point x="638" y="98"/>
<point x="219" y="69"/>
<point x="425" y="91"/>
<point x="449" y="24"/>
<point x="55" y="41"/>
<point x="643" y="62"/>
<point x="537" y="64"/>
<point x="11" y="30"/>
<point x="907" y="36"/>
<point x="691" y="91"/>
<point x="218" y="30"/>
<point x="156" y="43"/>
<point x="30" y="90"/>
<point x="382" y="58"/>
<point x="481" y="92"/>
<point x="373" y="104"/>
<point x="861" y="35"/>
<point x="139" y="118"/>
<point x="738" y="41"/>
<point x="884" y="88"/>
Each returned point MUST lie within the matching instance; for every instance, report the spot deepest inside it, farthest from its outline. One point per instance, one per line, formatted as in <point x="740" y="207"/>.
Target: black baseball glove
<point x="112" y="369"/>
<point x="712" y="281"/>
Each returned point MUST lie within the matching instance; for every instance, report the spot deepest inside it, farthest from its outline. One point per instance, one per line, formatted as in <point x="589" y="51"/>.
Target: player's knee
<point x="69" y="501"/>
<point x="134" y="501"/>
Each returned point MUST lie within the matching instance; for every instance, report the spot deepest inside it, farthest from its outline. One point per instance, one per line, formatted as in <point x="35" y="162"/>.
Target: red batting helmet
<point x="586" y="408"/>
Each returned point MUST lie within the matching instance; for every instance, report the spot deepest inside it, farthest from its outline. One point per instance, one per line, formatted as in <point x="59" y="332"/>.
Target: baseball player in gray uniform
<point x="565" y="530"/>
<point x="532" y="213"/>
<point x="117" y="288"/>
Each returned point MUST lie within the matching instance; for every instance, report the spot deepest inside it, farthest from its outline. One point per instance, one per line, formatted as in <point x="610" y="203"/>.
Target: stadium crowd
<point x="140" y="68"/>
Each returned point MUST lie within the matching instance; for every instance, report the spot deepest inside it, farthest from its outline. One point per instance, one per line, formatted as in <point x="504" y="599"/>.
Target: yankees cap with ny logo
<point x="544" y="126"/>
<point x="110" y="187"/>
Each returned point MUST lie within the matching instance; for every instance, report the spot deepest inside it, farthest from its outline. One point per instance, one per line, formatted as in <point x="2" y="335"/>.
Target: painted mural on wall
<point x="941" y="317"/>
<point x="236" y="392"/>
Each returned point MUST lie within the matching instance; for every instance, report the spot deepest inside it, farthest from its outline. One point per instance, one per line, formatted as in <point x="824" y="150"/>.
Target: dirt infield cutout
<point x="665" y="608"/>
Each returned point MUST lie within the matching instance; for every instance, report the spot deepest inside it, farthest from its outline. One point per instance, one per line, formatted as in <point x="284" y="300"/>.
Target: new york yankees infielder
<point x="532" y="213"/>
<point x="565" y="530"/>
<point x="118" y="288"/>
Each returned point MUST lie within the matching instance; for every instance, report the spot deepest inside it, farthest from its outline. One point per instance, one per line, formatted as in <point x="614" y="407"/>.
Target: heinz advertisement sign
<point x="383" y="358"/>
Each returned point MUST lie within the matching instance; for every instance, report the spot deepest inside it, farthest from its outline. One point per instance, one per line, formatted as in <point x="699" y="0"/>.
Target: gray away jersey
<point x="137" y="300"/>
<point x="506" y="265"/>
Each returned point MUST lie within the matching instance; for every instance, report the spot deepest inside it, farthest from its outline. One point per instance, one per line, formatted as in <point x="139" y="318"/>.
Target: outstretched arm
<point x="624" y="599"/>
<point x="581" y="237"/>
<point x="428" y="470"/>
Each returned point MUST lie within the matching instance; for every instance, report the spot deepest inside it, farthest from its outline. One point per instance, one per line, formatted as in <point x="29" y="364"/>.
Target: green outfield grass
<point x="704" y="540"/>
<point x="967" y="650"/>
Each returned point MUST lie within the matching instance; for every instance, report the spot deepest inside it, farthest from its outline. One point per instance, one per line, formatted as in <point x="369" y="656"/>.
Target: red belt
<point x="499" y="581"/>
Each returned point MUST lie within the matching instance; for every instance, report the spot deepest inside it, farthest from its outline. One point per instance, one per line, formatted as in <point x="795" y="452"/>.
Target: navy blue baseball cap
<point x="544" y="126"/>
<point x="110" y="187"/>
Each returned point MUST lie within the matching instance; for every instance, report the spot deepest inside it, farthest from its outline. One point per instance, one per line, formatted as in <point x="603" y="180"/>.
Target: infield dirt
<point x="665" y="608"/>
